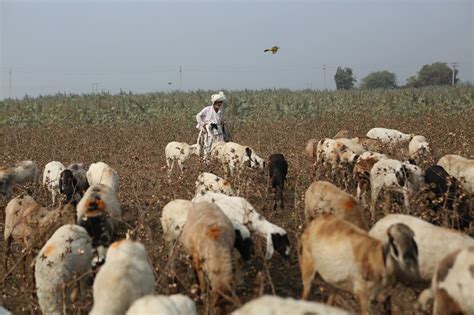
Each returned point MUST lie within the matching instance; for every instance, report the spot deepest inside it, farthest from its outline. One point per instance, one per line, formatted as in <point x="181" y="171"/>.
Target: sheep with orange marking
<point x="361" y="173"/>
<point x="335" y="154"/>
<point x="99" y="213"/>
<point x="102" y="173"/>
<point x="348" y="258"/>
<point x="66" y="255"/>
<point x="211" y="182"/>
<point x="460" y="168"/>
<point x="176" y="304"/>
<point x="28" y="221"/>
<point x="322" y="196"/>
<point x="51" y="174"/>
<point x="126" y="276"/>
<point x="208" y="236"/>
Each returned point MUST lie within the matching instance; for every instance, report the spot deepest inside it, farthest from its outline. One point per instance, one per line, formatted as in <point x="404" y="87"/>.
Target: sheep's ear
<point x="248" y="151"/>
<point x="412" y="161"/>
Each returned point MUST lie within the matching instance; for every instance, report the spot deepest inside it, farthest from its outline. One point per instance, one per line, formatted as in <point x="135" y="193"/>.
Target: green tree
<point x="379" y="80"/>
<point x="438" y="73"/>
<point x="344" y="79"/>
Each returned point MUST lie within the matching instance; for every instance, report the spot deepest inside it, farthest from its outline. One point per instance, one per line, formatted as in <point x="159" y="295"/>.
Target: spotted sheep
<point x="65" y="256"/>
<point x="174" y="216"/>
<point x="235" y="156"/>
<point x="334" y="153"/>
<point x="365" y="266"/>
<point x="389" y="136"/>
<point x="277" y="171"/>
<point x="452" y="285"/>
<point x="239" y="210"/>
<point x="396" y="176"/>
<point x="433" y="242"/>
<point x="99" y="212"/>
<point x="418" y="148"/>
<point x="180" y="152"/>
<point x="460" y="168"/>
<point x="102" y="173"/>
<point x="176" y="304"/>
<point x="216" y="149"/>
<point x="208" y="236"/>
<point x="51" y="175"/>
<point x="361" y="173"/>
<point x="322" y="196"/>
<point x="126" y="276"/>
<point x="276" y="305"/>
<point x="211" y="182"/>
<point x="28" y="221"/>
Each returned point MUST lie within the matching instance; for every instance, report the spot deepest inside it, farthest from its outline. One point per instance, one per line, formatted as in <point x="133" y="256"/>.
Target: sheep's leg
<point x="170" y="167"/>
<point x="373" y="201"/>
<point x="308" y="271"/>
<point x="200" y="273"/>
<point x="360" y="291"/>
<point x="406" y="199"/>
<point x="386" y="202"/>
<point x="53" y="195"/>
<point x="6" y="252"/>
<point x="332" y="296"/>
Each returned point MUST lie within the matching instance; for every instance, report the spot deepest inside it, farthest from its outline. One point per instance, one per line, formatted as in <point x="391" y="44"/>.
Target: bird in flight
<point x="169" y="83"/>
<point x="274" y="49"/>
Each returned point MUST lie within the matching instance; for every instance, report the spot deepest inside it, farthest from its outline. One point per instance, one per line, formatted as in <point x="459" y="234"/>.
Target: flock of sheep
<point x="338" y="241"/>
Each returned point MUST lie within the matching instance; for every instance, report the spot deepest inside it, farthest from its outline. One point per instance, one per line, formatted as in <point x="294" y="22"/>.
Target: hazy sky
<point x="67" y="46"/>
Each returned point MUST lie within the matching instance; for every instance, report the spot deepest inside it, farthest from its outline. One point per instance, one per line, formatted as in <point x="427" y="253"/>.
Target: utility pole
<point x="10" y="76"/>
<point x="324" y="74"/>
<point x="180" y="71"/>
<point x="454" y="65"/>
<point x="95" y="87"/>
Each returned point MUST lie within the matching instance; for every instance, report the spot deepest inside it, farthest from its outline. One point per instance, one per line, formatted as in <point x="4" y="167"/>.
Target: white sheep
<point x="101" y="173"/>
<point x="452" y="285"/>
<point x="173" y="219"/>
<point x="180" y="152"/>
<point x="348" y="258"/>
<point x="211" y="182"/>
<point x="460" y="168"/>
<point x="418" y="148"/>
<point x="322" y="196"/>
<point x="208" y="236"/>
<point x="125" y="277"/>
<point x="353" y="145"/>
<point x="361" y="172"/>
<point x="394" y="175"/>
<point x="25" y="171"/>
<point x="239" y="210"/>
<point x="276" y="305"/>
<point x="235" y="156"/>
<point x="433" y="242"/>
<point x="51" y="174"/>
<point x="176" y="304"/>
<point x="65" y="255"/>
<point x="388" y="136"/>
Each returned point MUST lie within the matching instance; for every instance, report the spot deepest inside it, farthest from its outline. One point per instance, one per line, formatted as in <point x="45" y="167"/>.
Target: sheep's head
<point x="6" y="183"/>
<point x="281" y="243"/>
<point x="401" y="249"/>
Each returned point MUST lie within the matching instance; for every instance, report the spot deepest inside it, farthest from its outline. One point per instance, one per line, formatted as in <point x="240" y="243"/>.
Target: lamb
<point x="452" y="284"/>
<point x="276" y="305"/>
<point x="460" y="168"/>
<point x="361" y="172"/>
<point x="99" y="213"/>
<point x="448" y="194"/>
<point x="210" y="182"/>
<point x="388" y="136"/>
<point x="173" y="219"/>
<point x="234" y="156"/>
<point x="277" y="170"/>
<point x="180" y="152"/>
<point x="125" y="277"/>
<point x="208" y="236"/>
<point x="364" y="265"/>
<point x="433" y="242"/>
<point x="101" y="173"/>
<point x="176" y="304"/>
<point x="240" y="210"/>
<point x="322" y="196"/>
<point x="26" y="220"/>
<point x="418" y="148"/>
<point x="66" y="254"/>
<point x="397" y="176"/>
<point x="51" y="175"/>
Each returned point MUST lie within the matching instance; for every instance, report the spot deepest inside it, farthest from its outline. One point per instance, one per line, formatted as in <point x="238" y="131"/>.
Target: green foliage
<point x="379" y="80"/>
<point x="438" y="73"/>
<point x="344" y="79"/>
<point x="242" y="106"/>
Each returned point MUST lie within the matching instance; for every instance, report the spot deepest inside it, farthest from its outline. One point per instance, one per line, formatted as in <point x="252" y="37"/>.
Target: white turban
<point x="220" y="97"/>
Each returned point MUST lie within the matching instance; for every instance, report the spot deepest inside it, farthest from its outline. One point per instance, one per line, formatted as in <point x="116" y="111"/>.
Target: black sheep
<point x="277" y="170"/>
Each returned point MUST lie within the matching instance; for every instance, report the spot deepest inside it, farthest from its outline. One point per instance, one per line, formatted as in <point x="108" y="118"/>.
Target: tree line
<point x="438" y="73"/>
